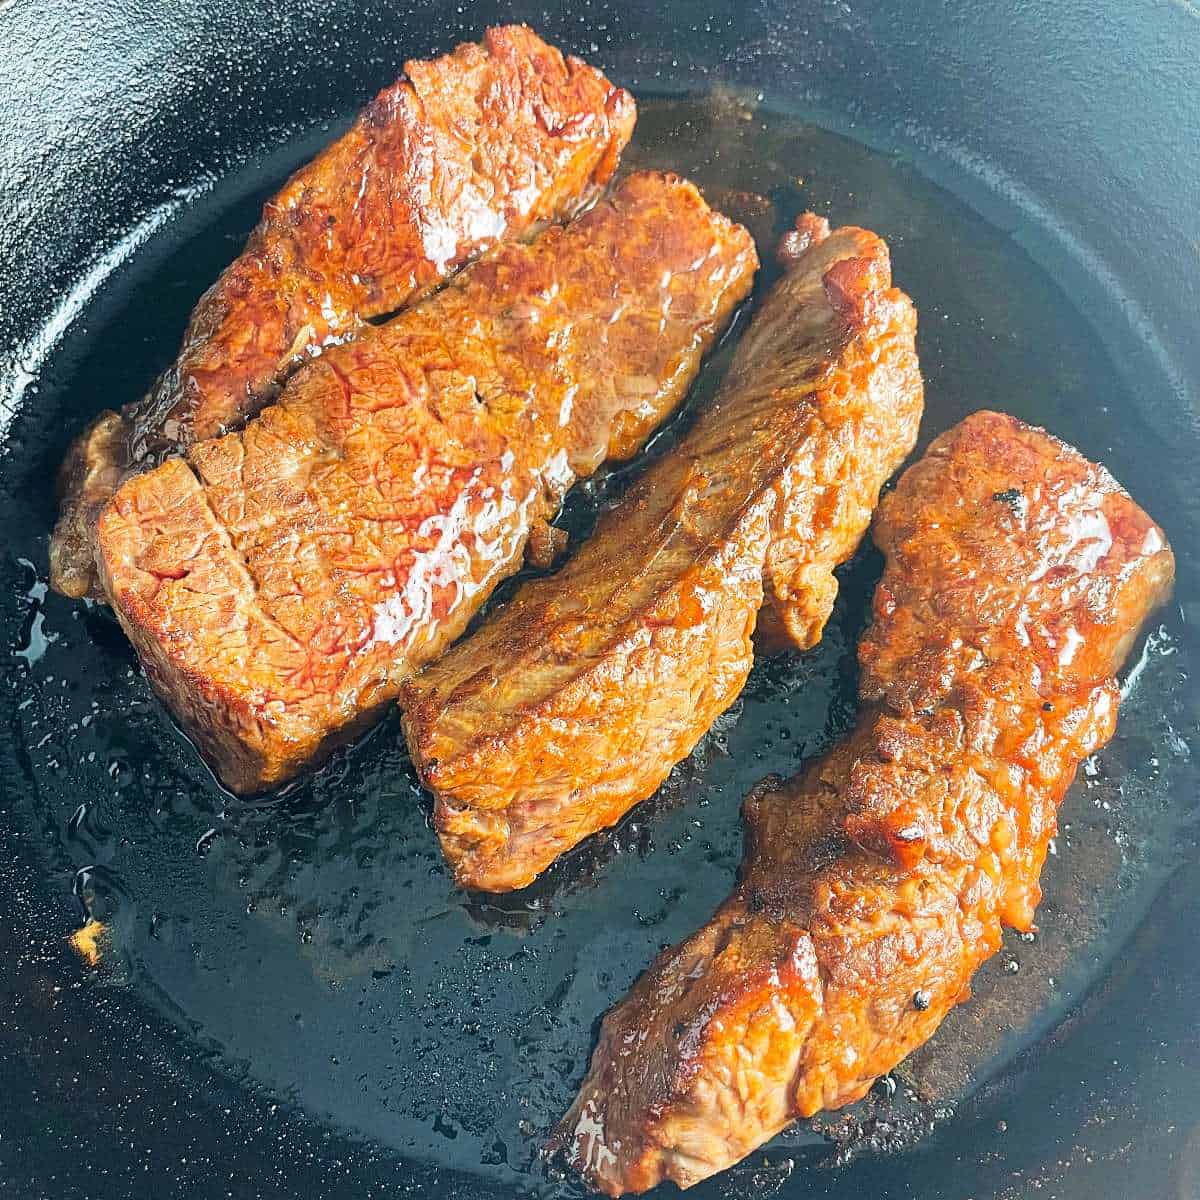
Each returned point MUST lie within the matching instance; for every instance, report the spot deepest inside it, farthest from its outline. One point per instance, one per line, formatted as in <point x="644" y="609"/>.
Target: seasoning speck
<point x="1015" y="500"/>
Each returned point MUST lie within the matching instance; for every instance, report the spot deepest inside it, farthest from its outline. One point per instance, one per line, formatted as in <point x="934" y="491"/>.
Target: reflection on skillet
<point x="317" y="946"/>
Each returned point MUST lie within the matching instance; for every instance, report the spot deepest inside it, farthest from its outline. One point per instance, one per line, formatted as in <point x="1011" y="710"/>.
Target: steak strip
<point x="574" y="702"/>
<point x="466" y="151"/>
<point x="280" y="583"/>
<point x="876" y="882"/>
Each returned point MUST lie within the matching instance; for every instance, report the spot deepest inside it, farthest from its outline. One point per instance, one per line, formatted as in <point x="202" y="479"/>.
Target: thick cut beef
<point x="463" y="152"/>
<point x="877" y="881"/>
<point x="280" y="583"/>
<point x="574" y="702"/>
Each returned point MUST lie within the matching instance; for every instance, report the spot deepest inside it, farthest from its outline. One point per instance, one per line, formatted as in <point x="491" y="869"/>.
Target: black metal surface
<point x="294" y="999"/>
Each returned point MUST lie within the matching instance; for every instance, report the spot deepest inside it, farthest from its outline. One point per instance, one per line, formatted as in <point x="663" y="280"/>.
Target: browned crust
<point x="876" y="882"/>
<point x="485" y="144"/>
<point x="574" y="702"/>
<point x="283" y="581"/>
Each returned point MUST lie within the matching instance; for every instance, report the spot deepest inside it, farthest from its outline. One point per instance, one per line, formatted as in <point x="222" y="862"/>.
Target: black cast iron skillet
<point x="291" y="998"/>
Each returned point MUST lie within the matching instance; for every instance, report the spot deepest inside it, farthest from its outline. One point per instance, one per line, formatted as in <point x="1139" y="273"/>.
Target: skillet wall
<point x="1084" y="109"/>
<point x="1077" y="120"/>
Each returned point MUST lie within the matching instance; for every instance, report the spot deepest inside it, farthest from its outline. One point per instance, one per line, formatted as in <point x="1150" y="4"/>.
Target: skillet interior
<point x="149" y="1075"/>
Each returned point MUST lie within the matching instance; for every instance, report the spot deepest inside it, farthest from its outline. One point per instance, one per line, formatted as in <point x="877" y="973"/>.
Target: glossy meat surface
<point x="280" y="583"/>
<point x="573" y="703"/>
<point x="1018" y="575"/>
<point x="464" y="152"/>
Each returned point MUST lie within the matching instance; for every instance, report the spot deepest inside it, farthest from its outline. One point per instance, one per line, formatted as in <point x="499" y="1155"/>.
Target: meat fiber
<point x="464" y="152"/>
<point x="574" y="702"/>
<point x="280" y="583"/>
<point x="875" y="883"/>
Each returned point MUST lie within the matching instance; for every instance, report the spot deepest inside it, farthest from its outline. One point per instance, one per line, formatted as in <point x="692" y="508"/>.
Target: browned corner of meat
<point x="809" y="230"/>
<point x="382" y="216"/>
<point x="547" y="544"/>
<point x="1017" y="576"/>
<point x="854" y="283"/>
<point x="87" y="478"/>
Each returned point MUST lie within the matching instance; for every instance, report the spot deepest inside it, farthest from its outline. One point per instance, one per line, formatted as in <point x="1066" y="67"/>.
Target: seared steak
<point x="466" y="151"/>
<point x="573" y="703"/>
<point x="876" y="882"/>
<point x="280" y="583"/>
